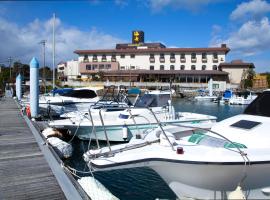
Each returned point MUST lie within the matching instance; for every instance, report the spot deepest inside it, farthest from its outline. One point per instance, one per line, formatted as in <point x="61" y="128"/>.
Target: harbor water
<point x="144" y="183"/>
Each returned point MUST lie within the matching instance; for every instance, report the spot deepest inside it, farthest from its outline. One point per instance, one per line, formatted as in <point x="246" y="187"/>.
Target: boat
<point x="232" y="158"/>
<point x="242" y="98"/>
<point x="121" y="123"/>
<point x="203" y="96"/>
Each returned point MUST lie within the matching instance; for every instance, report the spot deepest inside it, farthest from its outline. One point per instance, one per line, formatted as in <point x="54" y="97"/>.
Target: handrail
<point x="158" y="122"/>
<point x="133" y="119"/>
<point x="105" y="132"/>
<point x="93" y="127"/>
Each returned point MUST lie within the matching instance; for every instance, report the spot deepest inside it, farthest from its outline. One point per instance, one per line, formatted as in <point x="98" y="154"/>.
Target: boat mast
<point x="53" y="50"/>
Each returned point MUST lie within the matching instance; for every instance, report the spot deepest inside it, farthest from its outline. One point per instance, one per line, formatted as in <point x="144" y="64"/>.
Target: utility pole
<point x="43" y="43"/>
<point x="9" y="61"/>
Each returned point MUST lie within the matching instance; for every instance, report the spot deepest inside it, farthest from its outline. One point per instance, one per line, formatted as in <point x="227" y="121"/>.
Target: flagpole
<point x="53" y="50"/>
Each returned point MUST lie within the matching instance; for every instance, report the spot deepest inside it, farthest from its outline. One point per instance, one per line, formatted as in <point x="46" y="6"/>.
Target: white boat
<point x="202" y="164"/>
<point x="206" y="96"/>
<point x="122" y="123"/>
<point x="242" y="99"/>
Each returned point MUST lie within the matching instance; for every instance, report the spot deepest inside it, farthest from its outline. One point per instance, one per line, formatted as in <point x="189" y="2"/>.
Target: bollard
<point x="19" y="87"/>
<point x="34" y="87"/>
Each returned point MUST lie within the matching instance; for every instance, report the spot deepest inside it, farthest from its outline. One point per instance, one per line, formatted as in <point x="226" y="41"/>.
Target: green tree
<point x="247" y="78"/>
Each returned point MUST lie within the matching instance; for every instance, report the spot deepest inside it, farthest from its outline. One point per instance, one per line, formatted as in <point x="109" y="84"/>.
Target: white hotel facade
<point x="144" y="62"/>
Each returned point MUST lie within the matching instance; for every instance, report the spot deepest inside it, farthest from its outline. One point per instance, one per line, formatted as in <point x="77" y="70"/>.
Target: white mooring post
<point x="34" y="87"/>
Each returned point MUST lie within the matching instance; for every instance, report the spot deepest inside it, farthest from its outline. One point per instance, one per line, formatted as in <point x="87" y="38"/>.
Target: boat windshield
<point x="260" y="106"/>
<point x="152" y="100"/>
<point x="83" y="94"/>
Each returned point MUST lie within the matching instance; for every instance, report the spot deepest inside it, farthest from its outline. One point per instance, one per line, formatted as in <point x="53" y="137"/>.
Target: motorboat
<point x="204" y="96"/>
<point x="229" y="161"/>
<point x="242" y="99"/>
<point x="121" y="123"/>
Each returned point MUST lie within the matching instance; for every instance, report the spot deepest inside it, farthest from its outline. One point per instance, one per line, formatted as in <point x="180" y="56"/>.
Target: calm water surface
<point x="144" y="183"/>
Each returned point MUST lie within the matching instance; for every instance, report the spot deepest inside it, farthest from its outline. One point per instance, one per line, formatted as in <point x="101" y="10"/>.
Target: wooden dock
<point x="24" y="170"/>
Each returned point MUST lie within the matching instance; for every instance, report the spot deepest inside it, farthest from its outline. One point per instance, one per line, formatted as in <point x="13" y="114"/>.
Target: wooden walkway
<point x="24" y="172"/>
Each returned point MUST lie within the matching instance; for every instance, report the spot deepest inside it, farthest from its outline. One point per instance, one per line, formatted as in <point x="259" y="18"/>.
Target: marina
<point x="131" y="100"/>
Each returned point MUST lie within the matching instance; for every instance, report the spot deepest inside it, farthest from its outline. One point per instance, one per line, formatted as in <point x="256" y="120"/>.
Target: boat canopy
<point x="83" y="93"/>
<point x="152" y="100"/>
<point x="260" y="106"/>
<point x="61" y="91"/>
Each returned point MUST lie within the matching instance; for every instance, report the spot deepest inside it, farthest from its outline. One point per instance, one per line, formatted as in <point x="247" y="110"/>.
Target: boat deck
<point x="24" y="171"/>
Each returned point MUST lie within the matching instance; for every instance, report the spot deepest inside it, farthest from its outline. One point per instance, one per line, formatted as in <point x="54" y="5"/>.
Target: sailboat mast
<point x="53" y="50"/>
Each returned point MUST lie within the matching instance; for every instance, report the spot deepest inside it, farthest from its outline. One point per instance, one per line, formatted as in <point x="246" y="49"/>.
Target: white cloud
<point x="193" y="5"/>
<point x="251" y="38"/>
<point x="22" y="43"/>
<point x="250" y="10"/>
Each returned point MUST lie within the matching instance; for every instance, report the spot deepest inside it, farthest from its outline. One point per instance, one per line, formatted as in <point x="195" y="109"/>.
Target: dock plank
<point x="24" y="172"/>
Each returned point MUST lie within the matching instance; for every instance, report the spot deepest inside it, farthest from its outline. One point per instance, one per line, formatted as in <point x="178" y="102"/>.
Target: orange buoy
<point x="28" y="111"/>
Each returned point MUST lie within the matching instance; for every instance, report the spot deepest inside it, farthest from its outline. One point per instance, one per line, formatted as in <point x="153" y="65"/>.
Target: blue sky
<point x="243" y="25"/>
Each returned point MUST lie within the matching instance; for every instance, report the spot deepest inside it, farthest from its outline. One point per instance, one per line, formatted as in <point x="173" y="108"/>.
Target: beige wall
<point x="235" y="74"/>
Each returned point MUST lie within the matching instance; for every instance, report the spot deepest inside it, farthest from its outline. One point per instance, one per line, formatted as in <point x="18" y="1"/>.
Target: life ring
<point x="28" y="111"/>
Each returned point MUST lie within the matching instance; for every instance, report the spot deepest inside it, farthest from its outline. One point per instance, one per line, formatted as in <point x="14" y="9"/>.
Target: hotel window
<point x="183" y="57"/>
<point x="172" y="57"/>
<point x="94" y="67"/>
<point x="203" y="67"/>
<point x="152" y="58"/>
<point x="172" y="67"/>
<point x="88" y="67"/>
<point x="132" y="55"/>
<point x="122" y="67"/>
<point x="113" y="59"/>
<point x="132" y="67"/>
<point x="162" y="58"/>
<point x="215" y="57"/>
<point x="193" y="57"/>
<point x="101" y="66"/>
<point x="94" y="58"/>
<point x="204" y="57"/>
<point x="122" y="56"/>
<point x="108" y="66"/>
<point x="103" y="58"/>
<point x="161" y="67"/>
<point x="85" y="58"/>
<point x="152" y="67"/>
<point x="214" y="67"/>
<point x="193" y="67"/>
<point x="182" y="67"/>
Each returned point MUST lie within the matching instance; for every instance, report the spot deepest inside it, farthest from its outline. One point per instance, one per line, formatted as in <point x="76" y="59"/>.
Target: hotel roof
<point x="158" y="50"/>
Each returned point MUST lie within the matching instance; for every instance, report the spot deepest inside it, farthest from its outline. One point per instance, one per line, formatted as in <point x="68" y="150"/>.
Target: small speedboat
<point x="122" y="123"/>
<point x="200" y="163"/>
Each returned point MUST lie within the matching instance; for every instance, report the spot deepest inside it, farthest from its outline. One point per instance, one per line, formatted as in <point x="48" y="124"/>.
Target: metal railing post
<point x="93" y="128"/>
<point x="102" y="122"/>
<point x="158" y="122"/>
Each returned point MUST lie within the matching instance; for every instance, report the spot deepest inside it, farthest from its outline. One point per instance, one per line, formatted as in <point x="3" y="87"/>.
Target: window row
<point x="152" y="57"/>
<point x="183" y="58"/>
<point x="104" y="57"/>
<point x="99" y="66"/>
<point x="182" y="67"/>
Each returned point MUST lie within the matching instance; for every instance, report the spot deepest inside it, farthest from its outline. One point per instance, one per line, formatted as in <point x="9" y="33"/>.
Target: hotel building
<point x="150" y="62"/>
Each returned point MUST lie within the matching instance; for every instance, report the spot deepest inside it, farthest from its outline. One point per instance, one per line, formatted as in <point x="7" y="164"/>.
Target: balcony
<point x="182" y="60"/>
<point x="94" y="60"/>
<point x="152" y="60"/>
<point x="204" y="60"/>
<point x="215" y="60"/>
<point x="162" y="60"/>
<point x="172" y="60"/>
<point x="103" y="60"/>
<point x="193" y="60"/>
<point x="113" y="59"/>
